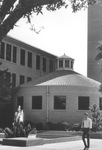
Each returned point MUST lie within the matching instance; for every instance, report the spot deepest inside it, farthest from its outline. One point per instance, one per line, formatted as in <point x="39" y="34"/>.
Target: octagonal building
<point x="63" y="95"/>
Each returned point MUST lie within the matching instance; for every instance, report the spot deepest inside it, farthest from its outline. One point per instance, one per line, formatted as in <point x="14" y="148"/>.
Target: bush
<point x="39" y="126"/>
<point x="51" y="126"/>
<point x="76" y="127"/>
<point x="29" y="122"/>
<point x="61" y="126"/>
<point x="96" y="118"/>
<point x="64" y="126"/>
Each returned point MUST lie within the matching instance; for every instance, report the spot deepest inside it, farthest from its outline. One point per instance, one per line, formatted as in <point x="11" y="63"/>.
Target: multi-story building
<point x="94" y="68"/>
<point x="24" y="61"/>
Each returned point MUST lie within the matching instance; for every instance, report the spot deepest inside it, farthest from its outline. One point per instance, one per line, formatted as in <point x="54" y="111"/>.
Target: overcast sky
<point x="61" y="32"/>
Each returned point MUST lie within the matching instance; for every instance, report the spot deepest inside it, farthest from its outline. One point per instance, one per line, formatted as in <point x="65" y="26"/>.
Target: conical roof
<point x="63" y="78"/>
<point x="64" y="57"/>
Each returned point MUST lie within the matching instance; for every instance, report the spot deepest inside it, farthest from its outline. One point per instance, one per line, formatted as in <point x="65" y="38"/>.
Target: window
<point x="36" y="102"/>
<point x="60" y="63"/>
<point x="22" y="57"/>
<point x="8" y="52"/>
<point x="67" y="63"/>
<point x="38" y="62"/>
<point x="44" y="64"/>
<point x="29" y="79"/>
<point x="60" y="102"/>
<point x="100" y="103"/>
<point x="51" y="66"/>
<point x="13" y="80"/>
<point x="29" y="59"/>
<point x="72" y="64"/>
<point x="2" y="50"/>
<point x="20" y="101"/>
<point x="83" y="103"/>
<point x="14" y="54"/>
<point x="21" y="79"/>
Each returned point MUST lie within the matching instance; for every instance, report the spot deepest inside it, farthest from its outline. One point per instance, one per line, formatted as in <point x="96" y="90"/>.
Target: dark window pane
<point x="8" y="52"/>
<point x="29" y="79"/>
<point x="51" y="66"/>
<point x="67" y="63"/>
<point x="21" y="79"/>
<point x="14" y="54"/>
<point x="72" y="64"/>
<point x="100" y="103"/>
<point x="60" y="102"/>
<point x="29" y="59"/>
<point x="13" y="80"/>
<point x="38" y="62"/>
<point x="83" y="103"/>
<point x="20" y="101"/>
<point x="36" y="102"/>
<point x="22" y="57"/>
<point x="2" y="50"/>
<point x="60" y="63"/>
<point x="44" y="64"/>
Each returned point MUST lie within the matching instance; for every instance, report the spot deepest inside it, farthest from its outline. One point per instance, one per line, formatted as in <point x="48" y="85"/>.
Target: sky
<point x="61" y="32"/>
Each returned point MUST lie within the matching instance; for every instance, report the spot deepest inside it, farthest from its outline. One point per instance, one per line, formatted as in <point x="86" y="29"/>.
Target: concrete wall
<point x="71" y="114"/>
<point x="94" y="36"/>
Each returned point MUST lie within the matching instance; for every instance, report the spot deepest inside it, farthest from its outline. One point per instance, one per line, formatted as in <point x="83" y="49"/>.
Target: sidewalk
<point x="96" y="144"/>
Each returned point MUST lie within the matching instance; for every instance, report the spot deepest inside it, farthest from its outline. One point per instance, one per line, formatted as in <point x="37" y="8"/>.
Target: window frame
<point x="38" y="61"/>
<point x="44" y="64"/>
<point x="8" y="52"/>
<point x="23" y="77"/>
<point x="61" y="63"/>
<point x="22" y="57"/>
<point x="59" y="109"/>
<point x="2" y="50"/>
<point x="29" y="59"/>
<point x="13" y="79"/>
<point x="14" y="57"/>
<point x="84" y="98"/>
<point x="51" y="66"/>
<point x="67" y="63"/>
<point x="36" y="96"/>
<point x="100" y="103"/>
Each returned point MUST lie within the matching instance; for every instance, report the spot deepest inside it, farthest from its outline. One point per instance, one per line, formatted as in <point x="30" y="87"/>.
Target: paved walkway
<point x="96" y="144"/>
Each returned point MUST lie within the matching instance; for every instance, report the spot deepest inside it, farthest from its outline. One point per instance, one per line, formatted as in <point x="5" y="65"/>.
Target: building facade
<point x="94" y="68"/>
<point x="24" y="61"/>
<point x="63" y="95"/>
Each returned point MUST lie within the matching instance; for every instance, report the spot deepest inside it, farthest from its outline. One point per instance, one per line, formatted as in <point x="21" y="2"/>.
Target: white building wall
<point x="71" y="114"/>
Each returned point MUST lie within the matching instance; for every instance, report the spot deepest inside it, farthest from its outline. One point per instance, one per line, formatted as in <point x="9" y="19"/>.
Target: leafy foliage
<point x="96" y="118"/>
<point x="13" y="10"/>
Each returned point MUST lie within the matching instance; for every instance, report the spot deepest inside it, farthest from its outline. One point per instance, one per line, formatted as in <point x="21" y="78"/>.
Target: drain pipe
<point x="47" y="104"/>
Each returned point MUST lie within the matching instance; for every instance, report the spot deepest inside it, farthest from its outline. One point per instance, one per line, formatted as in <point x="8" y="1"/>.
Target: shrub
<point x="61" y="126"/>
<point x="26" y="122"/>
<point x="64" y="126"/>
<point x="39" y="126"/>
<point x="76" y="127"/>
<point x="96" y="118"/>
<point x="51" y="126"/>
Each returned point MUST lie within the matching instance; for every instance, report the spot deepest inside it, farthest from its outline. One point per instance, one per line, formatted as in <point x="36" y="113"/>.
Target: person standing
<point x="86" y="126"/>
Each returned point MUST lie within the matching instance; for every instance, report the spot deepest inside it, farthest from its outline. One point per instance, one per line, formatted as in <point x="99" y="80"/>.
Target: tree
<point x="5" y="98"/>
<point x="96" y="118"/>
<point x="13" y="10"/>
<point x="5" y="86"/>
